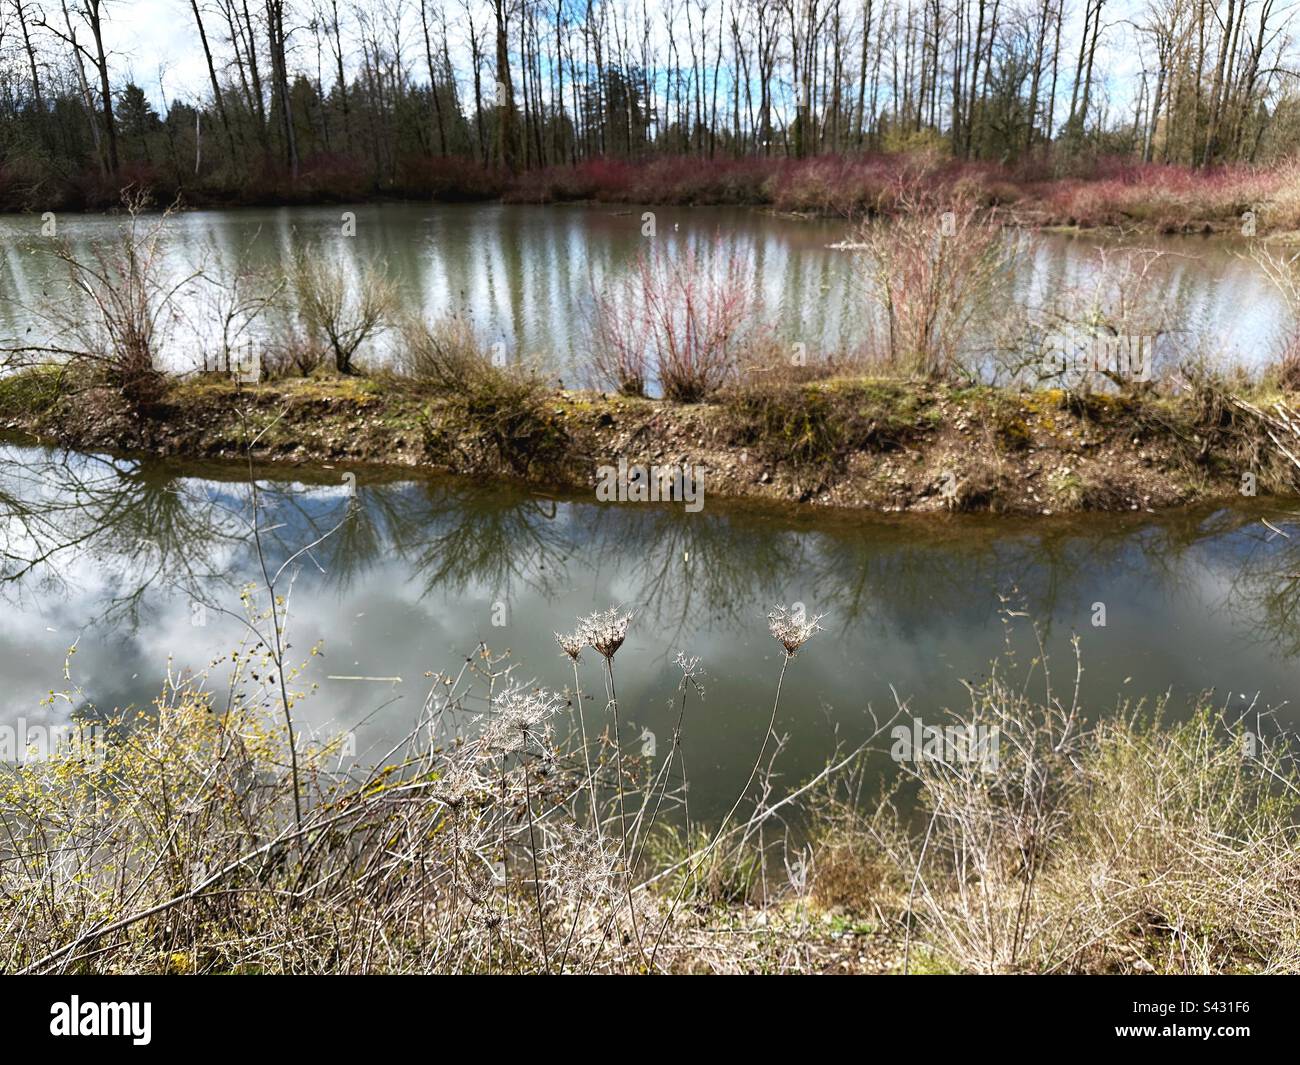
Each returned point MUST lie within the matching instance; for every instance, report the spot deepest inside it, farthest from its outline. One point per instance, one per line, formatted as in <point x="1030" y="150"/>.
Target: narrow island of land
<point x="841" y="442"/>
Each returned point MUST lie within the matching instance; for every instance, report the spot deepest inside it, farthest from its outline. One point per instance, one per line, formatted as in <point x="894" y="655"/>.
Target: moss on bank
<point x="885" y="445"/>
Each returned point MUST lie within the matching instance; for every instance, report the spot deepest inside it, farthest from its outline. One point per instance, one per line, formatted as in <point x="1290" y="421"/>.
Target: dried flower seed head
<point x="584" y="864"/>
<point x="690" y="667"/>
<point x="572" y="644"/>
<point x="460" y="786"/>
<point x="606" y="630"/>
<point x="521" y="722"/>
<point x="792" y="631"/>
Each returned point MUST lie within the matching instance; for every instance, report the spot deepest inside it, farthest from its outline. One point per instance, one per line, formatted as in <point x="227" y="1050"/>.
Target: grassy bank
<point x="207" y="837"/>
<point x="850" y="442"/>
<point x="894" y="422"/>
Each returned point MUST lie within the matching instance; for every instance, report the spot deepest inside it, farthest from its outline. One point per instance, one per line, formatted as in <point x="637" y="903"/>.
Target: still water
<point x="525" y="275"/>
<point x="117" y="556"/>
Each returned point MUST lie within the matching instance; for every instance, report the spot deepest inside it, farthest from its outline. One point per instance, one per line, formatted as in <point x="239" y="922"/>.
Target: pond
<point x="525" y="275"/>
<point x="140" y="564"/>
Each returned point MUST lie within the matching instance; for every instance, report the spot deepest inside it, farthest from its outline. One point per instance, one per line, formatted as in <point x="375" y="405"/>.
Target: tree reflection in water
<point x="185" y="527"/>
<point x="1196" y="599"/>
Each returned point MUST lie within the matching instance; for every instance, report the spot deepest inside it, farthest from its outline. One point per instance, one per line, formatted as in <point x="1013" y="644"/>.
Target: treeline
<point x="317" y="98"/>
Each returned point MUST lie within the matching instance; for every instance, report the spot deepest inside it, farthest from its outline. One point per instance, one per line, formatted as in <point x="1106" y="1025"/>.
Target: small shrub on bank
<point x="293" y="352"/>
<point x="116" y="308"/>
<point x="340" y="314"/>
<point x="815" y="428"/>
<point x="677" y="317"/>
<point x="938" y="274"/>
<point x="506" y="408"/>
<point x="1219" y="429"/>
<point x="446" y="355"/>
<point x="1284" y="272"/>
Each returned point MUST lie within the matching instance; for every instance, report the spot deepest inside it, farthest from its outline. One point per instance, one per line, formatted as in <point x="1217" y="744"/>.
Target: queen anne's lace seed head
<point x="688" y="664"/>
<point x="520" y="722"/>
<point x="585" y="865"/>
<point x="606" y="630"/>
<point x="572" y="643"/>
<point x="460" y="787"/>
<point x="691" y="672"/>
<point x="792" y="631"/>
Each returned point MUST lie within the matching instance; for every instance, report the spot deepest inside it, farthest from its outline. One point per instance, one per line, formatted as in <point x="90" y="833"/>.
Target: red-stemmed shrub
<point x="677" y="316"/>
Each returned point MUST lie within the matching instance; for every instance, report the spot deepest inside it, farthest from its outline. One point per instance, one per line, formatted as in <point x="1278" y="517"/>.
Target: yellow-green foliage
<point x="174" y="793"/>
<point x="29" y="392"/>
<point x="819" y="425"/>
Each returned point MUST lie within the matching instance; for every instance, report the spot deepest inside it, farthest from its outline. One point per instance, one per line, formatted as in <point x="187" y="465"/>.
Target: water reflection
<point x="525" y="274"/>
<point x="113" y="555"/>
